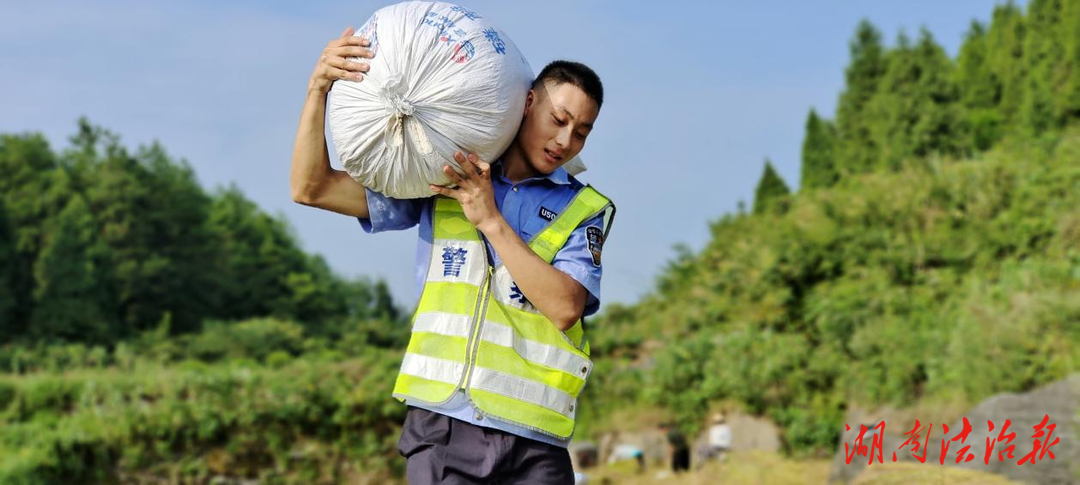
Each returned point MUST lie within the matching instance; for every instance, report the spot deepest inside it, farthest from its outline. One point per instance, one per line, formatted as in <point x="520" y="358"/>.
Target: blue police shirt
<point x="527" y="206"/>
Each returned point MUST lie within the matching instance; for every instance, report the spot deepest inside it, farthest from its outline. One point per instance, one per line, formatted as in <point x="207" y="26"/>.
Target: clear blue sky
<point x="698" y="94"/>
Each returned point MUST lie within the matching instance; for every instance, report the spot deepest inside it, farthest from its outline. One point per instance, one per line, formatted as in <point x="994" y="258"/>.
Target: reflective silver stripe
<point x="432" y="369"/>
<point x="522" y="390"/>
<point x="533" y="351"/>
<point x="449" y="324"/>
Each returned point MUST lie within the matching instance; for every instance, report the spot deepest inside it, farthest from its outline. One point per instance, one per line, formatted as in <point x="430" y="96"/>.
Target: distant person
<point x="719" y="438"/>
<point x="680" y="449"/>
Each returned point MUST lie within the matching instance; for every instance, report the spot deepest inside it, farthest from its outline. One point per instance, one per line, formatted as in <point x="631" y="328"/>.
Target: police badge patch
<point x="596" y="242"/>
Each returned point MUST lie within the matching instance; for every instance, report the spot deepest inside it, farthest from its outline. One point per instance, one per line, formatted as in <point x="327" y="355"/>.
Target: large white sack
<point x="443" y="79"/>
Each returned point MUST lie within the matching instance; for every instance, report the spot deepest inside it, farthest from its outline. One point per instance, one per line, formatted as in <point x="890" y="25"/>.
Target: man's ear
<point x="529" y="98"/>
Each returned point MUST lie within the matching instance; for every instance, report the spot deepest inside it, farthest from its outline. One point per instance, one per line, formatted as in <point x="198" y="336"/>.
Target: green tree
<point x="382" y="302"/>
<point x="978" y="83"/>
<point x="27" y="164"/>
<point x="181" y="234"/>
<point x="857" y="151"/>
<point x="916" y="112"/>
<point x="121" y="198"/>
<point x="260" y="254"/>
<point x="67" y="297"/>
<point x="1044" y="57"/>
<point x="317" y="294"/>
<point x="8" y="277"/>
<point x="980" y="89"/>
<point x="771" y="190"/>
<point x="1005" y="57"/>
<point x="818" y="158"/>
<point x="938" y="129"/>
<point x="154" y="217"/>
<point x="1070" y="31"/>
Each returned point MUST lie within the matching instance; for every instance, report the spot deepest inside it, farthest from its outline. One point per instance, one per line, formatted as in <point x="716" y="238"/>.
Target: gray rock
<point x="747" y="433"/>
<point x="753" y="433"/>
<point x="1059" y="400"/>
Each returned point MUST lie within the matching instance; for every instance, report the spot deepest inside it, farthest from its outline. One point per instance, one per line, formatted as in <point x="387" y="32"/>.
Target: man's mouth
<point x="552" y="157"/>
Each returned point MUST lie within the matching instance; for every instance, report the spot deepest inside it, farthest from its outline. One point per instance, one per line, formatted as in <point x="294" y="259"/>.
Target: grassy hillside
<point x="947" y="280"/>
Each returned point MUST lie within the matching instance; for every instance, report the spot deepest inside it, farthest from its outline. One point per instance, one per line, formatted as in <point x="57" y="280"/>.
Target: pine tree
<point x="818" y="160"/>
<point x="916" y="111"/>
<point x="938" y="129"/>
<point x="856" y="151"/>
<point x="980" y="89"/>
<point x="1070" y="31"/>
<point x="1005" y="57"/>
<point x="1044" y="58"/>
<point x="771" y="191"/>
<point x="67" y="299"/>
<point x="894" y="109"/>
<point x="979" y="85"/>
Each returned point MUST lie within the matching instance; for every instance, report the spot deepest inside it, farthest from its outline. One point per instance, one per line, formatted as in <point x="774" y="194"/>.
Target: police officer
<point x="498" y="354"/>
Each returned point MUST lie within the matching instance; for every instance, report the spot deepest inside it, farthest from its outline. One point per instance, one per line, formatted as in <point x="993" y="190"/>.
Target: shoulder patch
<point x="596" y="242"/>
<point x="547" y="214"/>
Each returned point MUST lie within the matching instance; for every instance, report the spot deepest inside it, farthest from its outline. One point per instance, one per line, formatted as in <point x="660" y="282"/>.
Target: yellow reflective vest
<point x="472" y="329"/>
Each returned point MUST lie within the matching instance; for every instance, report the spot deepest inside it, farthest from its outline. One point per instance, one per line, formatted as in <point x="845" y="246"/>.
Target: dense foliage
<point x="932" y="253"/>
<point x="100" y="244"/>
<point x="150" y="329"/>
<point x="321" y="416"/>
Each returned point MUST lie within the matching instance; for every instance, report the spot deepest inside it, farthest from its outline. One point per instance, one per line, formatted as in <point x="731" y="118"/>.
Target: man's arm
<point x="556" y="294"/>
<point x="313" y="181"/>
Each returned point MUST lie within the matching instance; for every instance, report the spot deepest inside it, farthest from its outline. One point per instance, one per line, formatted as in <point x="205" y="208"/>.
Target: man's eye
<point x="558" y="121"/>
<point x="581" y="136"/>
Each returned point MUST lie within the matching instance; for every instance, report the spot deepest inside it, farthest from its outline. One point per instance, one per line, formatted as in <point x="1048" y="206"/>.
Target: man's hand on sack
<point x="334" y="64"/>
<point x="474" y="191"/>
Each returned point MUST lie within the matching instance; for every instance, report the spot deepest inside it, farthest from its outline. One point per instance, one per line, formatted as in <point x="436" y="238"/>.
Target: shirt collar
<point x="559" y="176"/>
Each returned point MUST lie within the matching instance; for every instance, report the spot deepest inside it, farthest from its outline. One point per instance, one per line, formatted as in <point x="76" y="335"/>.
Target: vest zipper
<point x="478" y="319"/>
<point x="473" y="344"/>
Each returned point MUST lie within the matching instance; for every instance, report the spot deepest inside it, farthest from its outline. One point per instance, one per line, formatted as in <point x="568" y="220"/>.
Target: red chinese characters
<point x="1001" y="435"/>
<point x="1043" y="437"/>
<point x="861" y="449"/>
<point x="1039" y="447"/>
<point x="914" y="436"/>
<point x="961" y="437"/>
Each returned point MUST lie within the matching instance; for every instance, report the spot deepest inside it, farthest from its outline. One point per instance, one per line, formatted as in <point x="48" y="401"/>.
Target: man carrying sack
<point x="509" y="262"/>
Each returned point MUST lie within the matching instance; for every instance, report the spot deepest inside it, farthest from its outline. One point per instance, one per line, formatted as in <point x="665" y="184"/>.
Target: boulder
<point x="747" y="433"/>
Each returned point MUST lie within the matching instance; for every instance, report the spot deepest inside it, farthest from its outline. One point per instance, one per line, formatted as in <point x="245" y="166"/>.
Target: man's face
<point x="558" y="119"/>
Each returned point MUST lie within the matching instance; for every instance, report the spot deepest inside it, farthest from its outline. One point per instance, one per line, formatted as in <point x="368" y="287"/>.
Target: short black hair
<point x="576" y="73"/>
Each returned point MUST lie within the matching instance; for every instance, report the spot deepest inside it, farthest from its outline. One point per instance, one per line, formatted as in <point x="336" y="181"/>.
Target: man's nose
<point x="563" y="138"/>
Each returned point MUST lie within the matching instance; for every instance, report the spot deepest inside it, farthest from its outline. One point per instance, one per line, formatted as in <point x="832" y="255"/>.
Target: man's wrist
<point x="317" y="90"/>
<point x="492" y="227"/>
